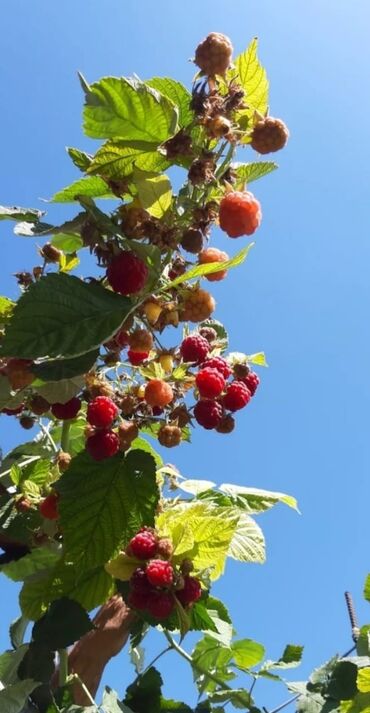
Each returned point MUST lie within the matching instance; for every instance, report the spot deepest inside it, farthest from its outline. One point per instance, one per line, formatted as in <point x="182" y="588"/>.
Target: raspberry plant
<point x="90" y="513"/>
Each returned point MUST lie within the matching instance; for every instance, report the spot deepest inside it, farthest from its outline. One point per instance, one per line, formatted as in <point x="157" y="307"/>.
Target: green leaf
<point x="249" y="172"/>
<point x="290" y="658"/>
<point x="254" y="500"/>
<point x="143" y="445"/>
<point x="68" y="242"/>
<point x="367" y="588"/>
<point x="252" y="77"/>
<point x="200" y="618"/>
<point x="111" y="704"/>
<point x="9" y="662"/>
<point x="6" y="308"/>
<point x="248" y="542"/>
<point x="64" y="623"/>
<point x="38" y="560"/>
<point x="359" y="704"/>
<point x="77" y="437"/>
<point x="363" y="641"/>
<point x="195" y="487"/>
<point x="81" y="159"/>
<point x="118" y="159"/>
<point x="122" y="567"/>
<point x="222" y="336"/>
<point x="144" y="694"/>
<point x="258" y="358"/>
<point x="73" y="317"/>
<point x="14" y="697"/>
<point x="17" y="526"/>
<point x="154" y="192"/>
<point x="59" y="391"/>
<point x="170" y="706"/>
<point x="7" y="398"/>
<point x="177" y="93"/>
<point x="118" y="495"/>
<point x="238" y="697"/>
<point x="31" y="449"/>
<point x="363" y="680"/>
<point x="92" y="186"/>
<point x="342" y="684"/>
<point x="17" y="631"/>
<point x="212" y="530"/>
<point x="127" y="108"/>
<point x="29" y="215"/>
<point x="210" y="656"/>
<point x="207" y="269"/>
<point x="247" y="653"/>
<point x="59" y="369"/>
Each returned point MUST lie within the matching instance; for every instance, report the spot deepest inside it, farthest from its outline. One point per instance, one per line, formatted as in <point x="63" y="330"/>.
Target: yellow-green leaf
<point x="252" y="77"/>
<point x="208" y="268"/>
<point x="122" y="567"/>
<point x="259" y="358"/>
<point x="363" y="680"/>
<point x="154" y="192"/>
<point x="248" y="542"/>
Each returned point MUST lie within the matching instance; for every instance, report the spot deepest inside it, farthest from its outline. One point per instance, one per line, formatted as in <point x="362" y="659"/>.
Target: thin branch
<point x="284" y="705"/>
<point x="74" y="678"/>
<point x="64" y="440"/>
<point x="48" y="436"/>
<point x="63" y="666"/>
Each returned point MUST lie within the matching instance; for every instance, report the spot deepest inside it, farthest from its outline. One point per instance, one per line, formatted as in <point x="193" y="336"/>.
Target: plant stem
<point x="63" y="666"/>
<point x="156" y="658"/>
<point x="174" y="645"/>
<point x="64" y="441"/>
<point x="48" y="436"/>
<point x="283" y="705"/>
<point x="74" y="678"/>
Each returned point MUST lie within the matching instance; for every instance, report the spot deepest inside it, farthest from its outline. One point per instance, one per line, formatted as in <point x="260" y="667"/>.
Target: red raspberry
<point x="137" y="599"/>
<point x="251" y="381"/>
<point x="237" y="396"/>
<point x="160" y="605"/>
<point x="158" y="393"/>
<point x="68" y="410"/>
<point x="136" y="358"/>
<point x="208" y="413"/>
<point x="212" y="255"/>
<point x="220" y="364"/>
<point x="101" y="412"/>
<point x="160" y="573"/>
<point x="139" y="581"/>
<point x="127" y="273"/>
<point x="194" y="348"/>
<point x="191" y="592"/>
<point x="144" y="545"/>
<point x="103" y="444"/>
<point x="13" y="411"/>
<point x="240" y="214"/>
<point x="49" y="507"/>
<point x="210" y="382"/>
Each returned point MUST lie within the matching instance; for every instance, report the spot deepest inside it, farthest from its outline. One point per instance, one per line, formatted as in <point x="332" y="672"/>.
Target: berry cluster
<point x="157" y="583"/>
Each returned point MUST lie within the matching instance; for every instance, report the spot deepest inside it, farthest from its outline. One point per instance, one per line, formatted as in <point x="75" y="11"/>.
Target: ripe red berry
<point x="210" y="382"/>
<point x="220" y="364"/>
<point x="136" y="358"/>
<point x="191" y="592"/>
<point x="139" y="581"/>
<point x="138" y="599"/>
<point x="240" y="214"/>
<point x="158" y="393"/>
<point x="194" y="348"/>
<point x="208" y="413"/>
<point x="237" y="396"/>
<point x="101" y="412"/>
<point x="68" y="410"/>
<point x="160" y="605"/>
<point x="144" y="545"/>
<point x="160" y="573"/>
<point x="127" y="273"/>
<point x="49" y="507"/>
<point x="103" y="444"/>
<point x="251" y="381"/>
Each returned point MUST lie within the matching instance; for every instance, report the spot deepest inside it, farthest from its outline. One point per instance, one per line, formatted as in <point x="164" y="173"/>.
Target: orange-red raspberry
<point x="127" y="273"/>
<point x="158" y="393"/>
<point x="198" y="305"/>
<point x="103" y="444"/>
<point x="237" y="396"/>
<point x="212" y="255"/>
<point x="159" y="573"/>
<point x="269" y="135"/>
<point x="136" y="358"/>
<point x="169" y="436"/>
<point x="240" y="214"/>
<point x="101" y="412"/>
<point x="208" y="413"/>
<point x="191" y="592"/>
<point x="66" y="411"/>
<point x="217" y="362"/>
<point x="141" y="341"/>
<point x="252" y="382"/>
<point x="194" y="348"/>
<point x="49" y="507"/>
<point x="213" y="54"/>
<point x="144" y="545"/>
<point x="210" y="383"/>
<point x="160" y="605"/>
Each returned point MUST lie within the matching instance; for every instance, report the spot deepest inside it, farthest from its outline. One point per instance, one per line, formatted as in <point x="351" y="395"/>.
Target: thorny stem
<point x="63" y="666"/>
<point x="74" y="678"/>
<point x="64" y="441"/>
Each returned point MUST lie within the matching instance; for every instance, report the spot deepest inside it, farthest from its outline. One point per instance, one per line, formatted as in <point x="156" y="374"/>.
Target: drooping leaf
<point x="118" y="159"/>
<point x="208" y="268"/>
<point x="248" y="172"/>
<point x="29" y="215"/>
<point x="248" y="542"/>
<point x="238" y="697"/>
<point x="65" y="622"/>
<point x="58" y="369"/>
<point x="127" y="108"/>
<point x="81" y="159"/>
<point x="194" y="487"/>
<point x="38" y="560"/>
<point x="17" y="631"/>
<point x="154" y="192"/>
<point x="254" y="500"/>
<point x="92" y="186"/>
<point x="14" y="697"/>
<point x="73" y="317"/>
<point x="290" y="658"/>
<point x="118" y="495"/>
<point x="210" y="655"/>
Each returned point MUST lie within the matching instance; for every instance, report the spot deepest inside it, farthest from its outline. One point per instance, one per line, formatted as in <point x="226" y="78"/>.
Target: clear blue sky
<point x="303" y="296"/>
